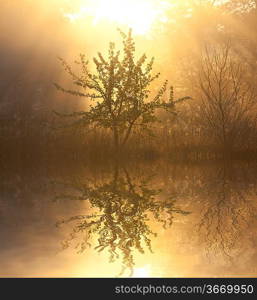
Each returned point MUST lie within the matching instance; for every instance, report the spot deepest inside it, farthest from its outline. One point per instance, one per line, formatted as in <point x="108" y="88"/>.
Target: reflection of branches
<point x="226" y="214"/>
<point x="120" y="222"/>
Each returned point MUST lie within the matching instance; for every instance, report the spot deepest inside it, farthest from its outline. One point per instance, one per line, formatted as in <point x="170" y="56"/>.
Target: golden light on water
<point x="142" y="272"/>
<point x="140" y="15"/>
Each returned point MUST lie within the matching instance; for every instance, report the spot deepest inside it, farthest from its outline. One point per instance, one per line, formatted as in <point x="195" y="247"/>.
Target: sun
<point x="140" y="15"/>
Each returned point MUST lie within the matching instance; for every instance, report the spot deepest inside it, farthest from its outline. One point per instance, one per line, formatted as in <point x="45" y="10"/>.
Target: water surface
<point x="153" y="220"/>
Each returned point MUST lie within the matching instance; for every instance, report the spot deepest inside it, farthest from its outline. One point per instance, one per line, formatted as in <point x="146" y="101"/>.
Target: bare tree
<point x="227" y="98"/>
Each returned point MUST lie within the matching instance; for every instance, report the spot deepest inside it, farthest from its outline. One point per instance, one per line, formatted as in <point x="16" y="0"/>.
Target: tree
<point x="227" y="98"/>
<point x="243" y="22"/>
<point x="239" y="6"/>
<point x="119" y="92"/>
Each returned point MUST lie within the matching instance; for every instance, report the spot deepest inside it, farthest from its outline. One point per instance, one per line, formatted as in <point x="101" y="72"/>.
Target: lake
<point x="151" y="219"/>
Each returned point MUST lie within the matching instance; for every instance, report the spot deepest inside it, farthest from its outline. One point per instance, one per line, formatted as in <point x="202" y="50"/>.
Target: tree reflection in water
<point x="227" y="211"/>
<point x="122" y="211"/>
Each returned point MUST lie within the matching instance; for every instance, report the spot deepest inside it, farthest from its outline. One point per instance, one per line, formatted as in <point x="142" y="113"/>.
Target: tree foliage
<point x="119" y="91"/>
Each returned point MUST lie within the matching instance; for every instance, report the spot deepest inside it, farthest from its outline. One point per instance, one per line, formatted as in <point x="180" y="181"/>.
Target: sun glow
<point x="140" y="15"/>
<point x="142" y="272"/>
